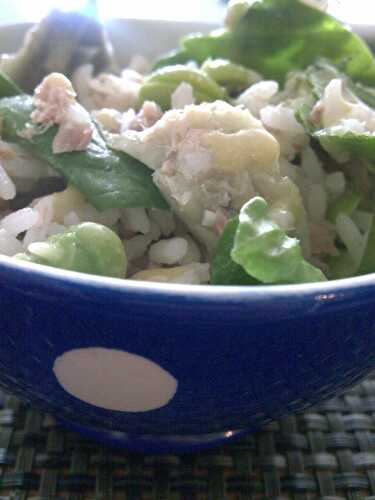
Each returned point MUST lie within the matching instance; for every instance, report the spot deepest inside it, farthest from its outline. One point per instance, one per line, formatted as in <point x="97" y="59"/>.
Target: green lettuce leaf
<point x="224" y="271"/>
<point x="348" y="145"/>
<point x="266" y="252"/>
<point x="7" y="87"/>
<point x="106" y="178"/>
<point x="340" y="144"/>
<point x="368" y="259"/>
<point x="275" y="37"/>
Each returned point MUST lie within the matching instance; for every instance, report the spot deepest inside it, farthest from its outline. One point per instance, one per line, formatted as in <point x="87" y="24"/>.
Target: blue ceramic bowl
<point x="182" y="365"/>
<point x="172" y="367"/>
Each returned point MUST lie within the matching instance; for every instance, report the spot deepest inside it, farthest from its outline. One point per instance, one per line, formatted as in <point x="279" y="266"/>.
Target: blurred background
<point x="353" y="11"/>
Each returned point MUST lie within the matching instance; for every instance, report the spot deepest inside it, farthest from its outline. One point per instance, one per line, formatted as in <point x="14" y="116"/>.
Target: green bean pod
<point x="234" y="77"/>
<point x="161" y="84"/>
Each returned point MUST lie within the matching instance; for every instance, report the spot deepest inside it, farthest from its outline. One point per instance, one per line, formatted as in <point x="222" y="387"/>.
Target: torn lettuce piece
<point x="266" y="252"/>
<point x="343" y="146"/>
<point x="275" y="37"/>
<point x="87" y="248"/>
<point x="224" y="271"/>
<point x="315" y="78"/>
<point x="336" y="116"/>
<point x="7" y="87"/>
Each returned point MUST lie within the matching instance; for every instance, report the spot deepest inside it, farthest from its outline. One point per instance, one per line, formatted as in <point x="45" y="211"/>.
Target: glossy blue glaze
<point x="241" y="356"/>
<point x="156" y="443"/>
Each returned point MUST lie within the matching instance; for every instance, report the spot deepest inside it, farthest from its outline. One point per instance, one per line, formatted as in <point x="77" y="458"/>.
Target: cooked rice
<point x="317" y="202"/>
<point x="137" y="246"/>
<point x="159" y="245"/>
<point x="71" y="219"/>
<point x="136" y="220"/>
<point x="351" y="236"/>
<point x="257" y="96"/>
<point x="182" y="96"/>
<point x="7" y="186"/>
<point x="335" y="184"/>
<point x="311" y="166"/>
<point x="168" y="252"/>
<point x="165" y="220"/>
<point x="9" y="245"/>
<point x="20" y="221"/>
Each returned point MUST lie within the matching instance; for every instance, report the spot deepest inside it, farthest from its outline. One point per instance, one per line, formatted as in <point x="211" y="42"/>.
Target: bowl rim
<point x="220" y="293"/>
<point x="323" y="291"/>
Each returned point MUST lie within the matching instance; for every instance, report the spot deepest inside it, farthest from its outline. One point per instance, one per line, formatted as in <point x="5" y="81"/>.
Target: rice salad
<point x="245" y="157"/>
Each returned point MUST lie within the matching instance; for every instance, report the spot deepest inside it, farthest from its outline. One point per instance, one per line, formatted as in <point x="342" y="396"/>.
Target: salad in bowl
<point x="173" y="234"/>
<point x="244" y="157"/>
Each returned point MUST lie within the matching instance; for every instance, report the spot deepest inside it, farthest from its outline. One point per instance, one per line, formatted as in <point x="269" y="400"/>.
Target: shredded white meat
<point x="107" y="90"/>
<point x="55" y="103"/>
<point x="207" y="160"/>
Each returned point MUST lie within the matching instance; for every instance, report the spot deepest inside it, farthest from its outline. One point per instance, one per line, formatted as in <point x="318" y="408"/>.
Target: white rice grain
<point x="45" y="208"/>
<point x="287" y="169"/>
<point x="55" y="228"/>
<point x="335" y="183"/>
<point x="36" y="233"/>
<point x="182" y="96"/>
<point x="7" y="186"/>
<point x="155" y="231"/>
<point x="312" y="166"/>
<point x="193" y="253"/>
<point x="71" y="218"/>
<point x="258" y="96"/>
<point x="169" y="252"/>
<point x="164" y="220"/>
<point x="350" y="236"/>
<point x="136" y="219"/>
<point x="137" y="246"/>
<point x="20" y="221"/>
<point x="20" y="164"/>
<point x="109" y="217"/>
<point x="282" y="118"/>
<point x="9" y="245"/>
<point x="196" y="275"/>
<point x="88" y="213"/>
<point x="191" y="274"/>
<point x="317" y="202"/>
<point x="209" y="218"/>
<point x="203" y="272"/>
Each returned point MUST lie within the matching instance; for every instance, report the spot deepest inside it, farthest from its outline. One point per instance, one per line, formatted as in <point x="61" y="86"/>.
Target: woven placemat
<point x="327" y="453"/>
